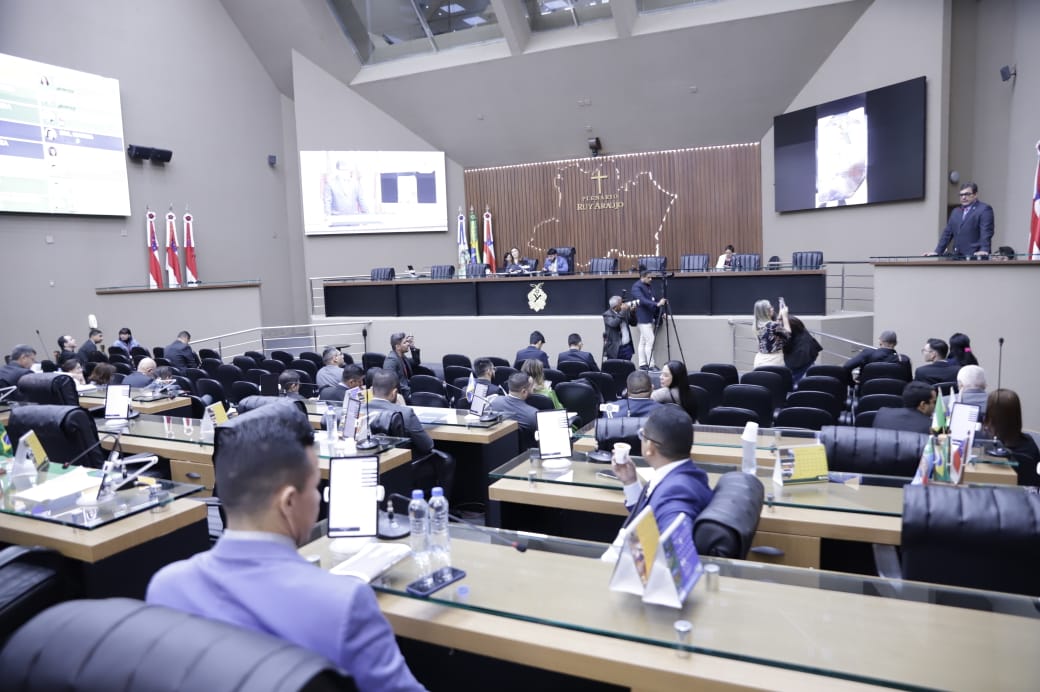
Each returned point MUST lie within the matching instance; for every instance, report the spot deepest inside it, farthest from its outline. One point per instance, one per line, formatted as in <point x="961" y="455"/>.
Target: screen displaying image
<point x="117" y="401"/>
<point x="61" y="141"/>
<point x="353" y="488"/>
<point x="841" y="159"/>
<point x="373" y="191"/>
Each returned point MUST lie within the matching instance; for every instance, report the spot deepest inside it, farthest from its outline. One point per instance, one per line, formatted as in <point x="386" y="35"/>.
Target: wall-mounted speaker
<point x="161" y="155"/>
<point x="139" y="153"/>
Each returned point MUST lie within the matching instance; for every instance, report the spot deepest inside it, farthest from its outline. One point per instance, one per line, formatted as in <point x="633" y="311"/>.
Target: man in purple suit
<point x="267" y="472"/>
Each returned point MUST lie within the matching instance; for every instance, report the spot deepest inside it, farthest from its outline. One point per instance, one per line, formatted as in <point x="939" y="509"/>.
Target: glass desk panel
<point x="428" y="415"/>
<point x="154" y="493"/>
<point x="809" y="620"/>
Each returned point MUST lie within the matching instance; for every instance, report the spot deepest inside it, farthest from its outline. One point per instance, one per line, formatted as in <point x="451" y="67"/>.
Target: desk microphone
<point x="116" y="448"/>
<point x="1000" y="358"/>
<point x="44" y="352"/>
<point x="367" y="443"/>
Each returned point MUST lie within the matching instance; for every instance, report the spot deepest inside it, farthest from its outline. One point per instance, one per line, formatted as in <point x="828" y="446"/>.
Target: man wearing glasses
<point x="970" y="227"/>
<point x="676" y="485"/>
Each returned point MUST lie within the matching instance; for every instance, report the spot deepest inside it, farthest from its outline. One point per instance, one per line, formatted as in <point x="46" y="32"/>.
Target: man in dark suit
<point x="677" y="485"/>
<point x="513" y="406"/>
<point x="353" y="376"/>
<point x="22" y="359"/>
<point x="617" y="337"/>
<point x="646" y="313"/>
<point x="937" y="368"/>
<point x="398" y="362"/>
<point x="144" y="376"/>
<point x="574" y="353"/>
<point x="970" y="227"/>
<point x="179" y="353"/>
<point x="384" y="394"/>
<point x="884" y="353"/>
<point x="638" y="404"/>
<point x="69" y="350"/>
<point x="916" y="413"/>
<point x="484" y="370"/>
<point x="90" y="346"/>
<point x="533" y="350"/>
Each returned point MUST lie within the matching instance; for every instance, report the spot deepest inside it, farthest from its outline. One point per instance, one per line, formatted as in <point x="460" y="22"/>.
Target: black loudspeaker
<point x="138" y="153"/>
<point x="161" y="155"/>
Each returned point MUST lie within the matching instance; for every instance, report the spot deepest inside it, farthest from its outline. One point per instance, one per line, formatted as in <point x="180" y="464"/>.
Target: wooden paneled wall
<point x="667" y="203"/>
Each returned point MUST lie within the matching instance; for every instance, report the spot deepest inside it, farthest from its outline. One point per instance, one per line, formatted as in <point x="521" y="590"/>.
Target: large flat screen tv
<point x="61" y="141"/>
<point x="861" y="149"/>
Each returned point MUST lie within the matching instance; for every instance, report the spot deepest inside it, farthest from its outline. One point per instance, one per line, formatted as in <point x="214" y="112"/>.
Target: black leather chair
<point x="305" y="365"/>
<point x="728" y="524"/>
<point x="603" y="265"/>
<point x="820" y="400"/>
<point x="242" y="389"/>
<point x="745" y="262"/>
<point x="572" y="368"/>
<point x="979" y="538"/>
<point x="476" y="270"/>
<point x="244" y="363"/>
<point x="442" y="271"/>
<point x="429" y="399"/>
<point x="195" y="408"/>
<point x="122" y="368"/>
<point x="313" y="357"/>
<point x="436" y="469"/>
<point x="811" y="259"/>
<point x="873" y="402"/>
<point x="732" y="416"/>
<point x="205" y="386"/>
<point x="283" y="356"/>
<point x="502" y="375"/>
<point x="603" y="382"/>
<point x="454" y="372"/>
<point x="382" y="274"/>
<point x="897" y="371"/>
<point x="819" y="383"/>
<point x="211" y="366"/>
<point x="619" y="369"/>
<point x="554" y="377"/>
<point x="713" y="384"/>
<point x="882" y="385"/>
<point x="697" y="262"/>
<point x="112" y="644"/>
<point x="273" y="366"/>
<point x="655" y="263"/>
<point x="872" y="450"/>
<point x="372" y="359"/>
<point x="774" y="263"/>
<point x="254" y="374"/>
<point x="783" y="371"/>
<point x="56" y="389"/>
<point x="497" y="360"/>
<point x="836" y="371"/>
<point x="32" y="579"/>
<point x="703" y="399"/>
<point x="568" y="254"/>
<point x="771" y="381"/>
<point x="455" y="359"/>
<point x="426" y="383"/>
<point x="228" y="374"/>
<point x="866" y="419"/>
<point x="529" y="263"/>
<point x="539" y="401"/>
<point x="726" y="371"/>
<point x="257" y="356"/>
<point x="753" y="397"/>
<point x="581" y="398"/>
<point x="64" y="431"/>
<point x="621" y="429"/>
<point x="803" y="417"/>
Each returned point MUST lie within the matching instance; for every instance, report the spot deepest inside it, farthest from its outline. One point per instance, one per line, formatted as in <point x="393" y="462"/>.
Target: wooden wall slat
<point x="675" y="203"/>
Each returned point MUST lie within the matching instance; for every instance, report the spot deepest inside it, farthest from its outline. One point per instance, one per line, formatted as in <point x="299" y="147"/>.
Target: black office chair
<point x="803" y="417"/>
<point x="713" y="384"/>
<point x="256" y="355"/>
<point x="442" y="271"/>
<point x="242" y="389"/>
<point x="771" y="381"/>
<point x="122" y="369"/>
<point x="882" y="385"/>
<point x="895" y="371"/>
<point x="727" y="526"/>
<point x="436" y="469"/>
<point x="209" y="353"/>
<point x="64" y="431"/>
<point x="812" y="259"/>
<point x="733" y="416"/>
<point x="703" y="399"/>
<point x="111" y="644"/>
<point x="48" y="388"/>
<point x="572" y="368"/>
<point x="273" y="366"/>
<point x="603" y="382"/>
<point x="228" y="374"/>
<point x="502" y="375"/>
<point x="820" y="383"/>
<point x="205" y="386"/>
<point x="783" y="371"/>
<point x="529" y="263"/>
<point x="654" y="263"/>
<point x="184" y="383"/>
<point x="581" y="398"/>
<point x="746" y="262"/>
<point x="610" y="431"/>
<point x="568" y="253"/>
<point x="456" y="359"/>
<point x="539" y="401"/>
<point x="371" y="359"/>
<point x="32" y="579"/>
<point x="305" y="365"/>
<point x="195" y="409"/>
<point x="603" y="265"/>
<point x="120" y="356"/>
<point x="810" y="399"/>
<point x="697" y="262"/>
<point x="314" y="358"/>
<point x="866" y="419"/>
<point x="284" y="356"/>
<point x="619" y="369"/>
<point x="476" y="270"/>
<point x="454" y="372"/>
<point x="211" y="366"/>
<point x="497" y="360"/>
<point x="244" y="363"/>
<point x="873" y="402"/>
<point x="554" y="377"/>
<point x="423" y="370"/>
<point x="836" y="371"/>
<point x="774" y="263"/>
<point x="426" y="383"/>
<point x="158" y="351"/>
<point x="726" y="371"/>
<point x="872" y="450"/>
<point x="752" y="397"/>
<point x="382" y="274"/>
<point x="429" y="399"/>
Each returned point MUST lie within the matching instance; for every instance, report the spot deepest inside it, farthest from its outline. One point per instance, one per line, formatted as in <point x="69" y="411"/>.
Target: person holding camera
<point x="617" y="335"/>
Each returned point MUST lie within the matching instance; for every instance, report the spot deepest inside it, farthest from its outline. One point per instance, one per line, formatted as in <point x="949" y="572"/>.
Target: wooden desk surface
<point x="146" y="407"/>
<point x="104" y="541"/>
<point x="453" y="433"/>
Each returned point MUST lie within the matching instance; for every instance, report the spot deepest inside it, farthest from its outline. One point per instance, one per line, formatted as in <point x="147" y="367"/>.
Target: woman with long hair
<point x="772" y="333"/>
<point x="1004" y="421"/>
<point x="960" y="350"/>
<point x="675" y="388"/>
<point x="102" y="374"/>
<point x="801" y="349"/>
<point x="533" y="368"/>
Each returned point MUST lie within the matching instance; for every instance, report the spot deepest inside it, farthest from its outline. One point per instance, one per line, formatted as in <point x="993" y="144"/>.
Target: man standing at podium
<point x="970" y="227"/>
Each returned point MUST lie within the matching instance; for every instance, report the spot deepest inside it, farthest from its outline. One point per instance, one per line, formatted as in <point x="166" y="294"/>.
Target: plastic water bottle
<point x="749" y="439"/>
<point x="440" y="541"/>
<point x="419" y="518"/>
<point x="328" y="421"/>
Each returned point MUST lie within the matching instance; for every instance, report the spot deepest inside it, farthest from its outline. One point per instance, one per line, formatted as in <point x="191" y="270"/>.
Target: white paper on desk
<point x="72" y="483"/>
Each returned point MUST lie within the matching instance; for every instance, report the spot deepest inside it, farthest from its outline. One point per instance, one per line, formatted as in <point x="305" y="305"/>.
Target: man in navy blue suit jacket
<point x="574" y="353"/>
<point x="534" y="350"/>
<point x="677" y="485"/>
<point x="970" y="227"/>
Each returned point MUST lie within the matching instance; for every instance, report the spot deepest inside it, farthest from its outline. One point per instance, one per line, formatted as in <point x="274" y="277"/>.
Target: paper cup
<point x="621" y="452"/>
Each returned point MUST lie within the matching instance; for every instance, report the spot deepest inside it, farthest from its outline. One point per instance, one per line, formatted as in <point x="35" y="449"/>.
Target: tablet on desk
<point x="353" y="496"/>
<point x="117" y="402"/>
<point x="554" y="434"/>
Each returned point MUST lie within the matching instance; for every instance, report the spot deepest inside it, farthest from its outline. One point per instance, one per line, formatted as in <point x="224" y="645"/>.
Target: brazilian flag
<point x="6" y="450"/>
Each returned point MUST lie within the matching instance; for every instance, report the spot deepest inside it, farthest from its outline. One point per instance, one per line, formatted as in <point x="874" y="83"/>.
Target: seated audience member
<point x="884" y="353"/>
<point x="513" y="263"/>
<point x="915" y="414"/>
<point x="90" y="347"/>
<point x="331" y="372"/>
<point x="575" y="353"/>
<point x="971" y="388"/>
<point x="554" y="263"/>
<point x="675" y="388"/>
<point x="254" y="577"/>
<point x="484" y="371"/>
<point x="398" y="362"/>
<point x="533" y="369"/>
<point x="513" y="406"/>
<point x="180" y="354"/>
<point x="22" y="359"/>
<point x="801" y="349"/>
<point x="677" y="484"/>
<point x="937" y="368"/>
<point x="384" y="394"/>
<point x="74" y="369"/>
<point x="144" y="375"/>
<point x="102" y="374"/>
<point x="725" y="260"/>
<point x="126" y="341"/>
<point x="1004" y="421"/>
<point x="532" y="350"/>
<point x="960" y="350"/>
<point x="67" y="349"/>
<point x="289" y="385"/>
<point x="638" y="403"/>
<point x="353" y="377"/>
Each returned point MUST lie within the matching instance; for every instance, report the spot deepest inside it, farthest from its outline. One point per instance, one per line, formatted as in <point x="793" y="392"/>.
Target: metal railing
<point x="850" y="286"/>
<point x="745" y="346"/>
<point x="349" y="337"/>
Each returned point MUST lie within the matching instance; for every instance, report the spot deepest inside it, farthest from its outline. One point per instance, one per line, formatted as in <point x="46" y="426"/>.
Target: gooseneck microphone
<point x="44" y="352"/>
<point x="1000" y="359"/>
<point x="367" y="443"/>
<point x="116" y="448"/>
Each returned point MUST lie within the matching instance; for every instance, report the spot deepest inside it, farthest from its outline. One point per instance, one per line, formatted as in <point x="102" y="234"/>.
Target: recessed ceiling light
<point x="474" y="21"/>
<point x="454" y="8"/>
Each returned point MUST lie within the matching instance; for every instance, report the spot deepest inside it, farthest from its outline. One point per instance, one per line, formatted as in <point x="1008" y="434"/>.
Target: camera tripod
<point x="665" y="317"/>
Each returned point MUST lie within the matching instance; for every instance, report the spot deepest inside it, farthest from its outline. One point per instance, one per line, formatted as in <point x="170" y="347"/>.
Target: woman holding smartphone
<point x="772" y="333"/>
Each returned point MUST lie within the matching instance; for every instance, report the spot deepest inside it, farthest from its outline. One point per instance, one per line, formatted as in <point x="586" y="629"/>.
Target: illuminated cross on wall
<point x="599" y="178"/>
